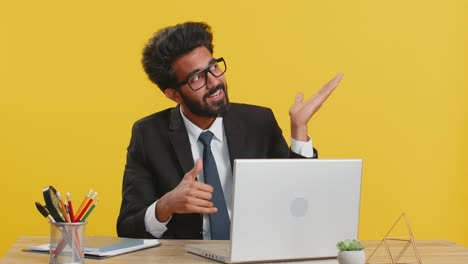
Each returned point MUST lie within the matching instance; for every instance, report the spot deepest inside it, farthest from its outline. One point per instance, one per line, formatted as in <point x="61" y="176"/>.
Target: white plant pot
<point x="351" y="257"/>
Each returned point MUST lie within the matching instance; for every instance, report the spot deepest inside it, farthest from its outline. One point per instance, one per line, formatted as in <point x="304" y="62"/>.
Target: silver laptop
<point x="289" y="209"/>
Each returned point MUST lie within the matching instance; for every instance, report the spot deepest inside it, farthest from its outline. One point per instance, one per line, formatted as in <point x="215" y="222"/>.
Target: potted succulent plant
<point x="351" y="252"/>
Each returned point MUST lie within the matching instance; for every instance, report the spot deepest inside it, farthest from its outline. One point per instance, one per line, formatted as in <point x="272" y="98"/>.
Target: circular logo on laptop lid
<point x="299" y="207"/>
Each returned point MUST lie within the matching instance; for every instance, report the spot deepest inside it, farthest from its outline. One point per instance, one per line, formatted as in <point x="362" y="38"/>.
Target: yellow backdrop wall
<point x="72" y="85"/>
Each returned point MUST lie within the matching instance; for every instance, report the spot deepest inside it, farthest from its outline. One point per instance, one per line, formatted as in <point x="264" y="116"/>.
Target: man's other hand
<point x="190" y="196"/>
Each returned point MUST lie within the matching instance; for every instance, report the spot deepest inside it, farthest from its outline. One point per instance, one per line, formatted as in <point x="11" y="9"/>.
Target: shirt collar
<point x="194" y="131"/>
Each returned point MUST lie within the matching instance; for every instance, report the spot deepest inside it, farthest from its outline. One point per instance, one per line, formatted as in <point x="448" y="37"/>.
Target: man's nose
<point x="211" y="81"/>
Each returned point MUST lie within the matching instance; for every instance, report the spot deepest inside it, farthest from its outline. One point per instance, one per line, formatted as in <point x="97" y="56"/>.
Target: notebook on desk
<point x="104" y="247"/>
<point x="289" y="209"/>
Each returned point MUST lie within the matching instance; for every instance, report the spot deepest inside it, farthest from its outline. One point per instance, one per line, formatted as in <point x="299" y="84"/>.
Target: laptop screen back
<point x="293" y="208"/>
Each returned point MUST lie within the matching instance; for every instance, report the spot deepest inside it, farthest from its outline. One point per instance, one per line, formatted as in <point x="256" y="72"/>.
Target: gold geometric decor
<point x="395" y="246"/>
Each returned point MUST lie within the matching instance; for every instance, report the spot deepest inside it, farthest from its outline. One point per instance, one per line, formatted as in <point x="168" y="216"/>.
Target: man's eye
<point x="195" y="78"/>
<point x="214" y="66"/>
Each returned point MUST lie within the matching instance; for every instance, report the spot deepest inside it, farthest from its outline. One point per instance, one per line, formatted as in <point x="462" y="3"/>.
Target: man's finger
<point x="202" y="210"/>
<point x="201" y="203"/>
<point x="192" y="174"/>
<point x="202" y="194"/>
<point x="299" y="98"/>
<point x="203" y="187"/>
<point x="335" y="80"/>
<point x="327" y="89"/>
<point x="339" y="77"/>
<point x="333" y="83"/>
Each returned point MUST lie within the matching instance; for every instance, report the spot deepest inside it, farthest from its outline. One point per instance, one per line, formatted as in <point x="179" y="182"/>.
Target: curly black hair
<point x="170" y="43"/>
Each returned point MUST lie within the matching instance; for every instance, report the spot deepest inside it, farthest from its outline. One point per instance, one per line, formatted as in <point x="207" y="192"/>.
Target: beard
<point x="216" y="109"/>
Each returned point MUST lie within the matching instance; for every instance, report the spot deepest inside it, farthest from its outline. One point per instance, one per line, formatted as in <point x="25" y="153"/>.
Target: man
<point x="168" y="190"/>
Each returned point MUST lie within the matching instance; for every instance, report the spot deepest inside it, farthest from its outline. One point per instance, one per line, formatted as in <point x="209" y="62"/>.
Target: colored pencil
<point x="70" y="207"/>
<point x="89" y="211"/>
<point x="78" y="218"/>
<point x="64" y="210"/>
<point x="85" y="200"/>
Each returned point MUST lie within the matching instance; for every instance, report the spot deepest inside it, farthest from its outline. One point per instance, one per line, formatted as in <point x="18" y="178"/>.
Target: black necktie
<point x="219" y="221"/>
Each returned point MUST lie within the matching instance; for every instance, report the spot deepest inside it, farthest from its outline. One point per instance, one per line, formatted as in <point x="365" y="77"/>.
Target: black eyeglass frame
<point x="205" y="70"/>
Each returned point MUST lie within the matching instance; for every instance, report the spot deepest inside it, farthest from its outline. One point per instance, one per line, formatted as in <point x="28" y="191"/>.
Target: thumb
<point x="192" y="174"/>
<point x="299" y="97"/>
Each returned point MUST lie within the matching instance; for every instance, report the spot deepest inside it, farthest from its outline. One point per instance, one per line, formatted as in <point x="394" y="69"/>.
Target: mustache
<point x="214" y="90"/>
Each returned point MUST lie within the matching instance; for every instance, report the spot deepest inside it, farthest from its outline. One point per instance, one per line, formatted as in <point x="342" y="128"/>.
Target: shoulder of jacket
<point x="237" y="107"/>
<point x="156" y="117"/>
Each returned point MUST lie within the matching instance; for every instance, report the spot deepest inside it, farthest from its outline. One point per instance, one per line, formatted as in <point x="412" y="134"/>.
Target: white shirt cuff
<point x="152" y="225"/>
<point x="302" y="148"/>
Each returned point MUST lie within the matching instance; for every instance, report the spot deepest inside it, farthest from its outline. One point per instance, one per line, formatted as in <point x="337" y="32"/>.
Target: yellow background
<point x="71" y="86"/>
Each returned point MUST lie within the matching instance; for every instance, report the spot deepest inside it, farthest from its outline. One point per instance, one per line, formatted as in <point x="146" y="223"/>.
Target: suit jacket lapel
<point x="180" y="141"/>
<point x="235" y="135"/>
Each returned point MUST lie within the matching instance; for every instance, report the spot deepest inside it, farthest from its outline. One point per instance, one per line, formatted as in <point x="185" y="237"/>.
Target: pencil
<point x="64" y="210"/>
<point x="85" y="200"/>
<point x="78" y="218"/>
<point x="70" y="207"/>
<point x="89" y="211"/>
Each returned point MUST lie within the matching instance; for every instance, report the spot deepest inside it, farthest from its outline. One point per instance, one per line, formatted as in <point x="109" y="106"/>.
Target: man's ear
<point x="174" y="95"/>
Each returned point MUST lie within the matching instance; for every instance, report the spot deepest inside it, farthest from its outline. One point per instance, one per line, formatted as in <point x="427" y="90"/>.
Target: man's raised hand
<point x="301" y="112"/>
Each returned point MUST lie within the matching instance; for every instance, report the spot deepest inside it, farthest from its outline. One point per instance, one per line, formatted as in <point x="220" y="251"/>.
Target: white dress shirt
<point x="221" y="154"/>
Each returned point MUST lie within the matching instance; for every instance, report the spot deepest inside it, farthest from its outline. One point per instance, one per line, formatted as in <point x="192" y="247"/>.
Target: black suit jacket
<point x="159" y="155"/>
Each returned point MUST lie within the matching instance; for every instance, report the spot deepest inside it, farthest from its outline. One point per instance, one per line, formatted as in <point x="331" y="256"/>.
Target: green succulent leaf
<point x="350" y="245"/>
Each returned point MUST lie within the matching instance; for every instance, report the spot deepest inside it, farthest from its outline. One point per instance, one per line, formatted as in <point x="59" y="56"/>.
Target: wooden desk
<point x="172" y="251"/>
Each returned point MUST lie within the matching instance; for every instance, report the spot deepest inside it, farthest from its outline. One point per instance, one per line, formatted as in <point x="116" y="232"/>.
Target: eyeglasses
<point x="198" y="79"/>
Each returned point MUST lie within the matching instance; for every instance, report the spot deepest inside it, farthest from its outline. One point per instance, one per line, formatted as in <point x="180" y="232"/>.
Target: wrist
<point x="163" y="211"/>
<point x="299" y="132"/>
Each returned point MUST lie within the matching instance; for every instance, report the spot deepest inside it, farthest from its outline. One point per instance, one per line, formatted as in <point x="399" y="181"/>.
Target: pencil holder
<point x="66" y="243"/>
